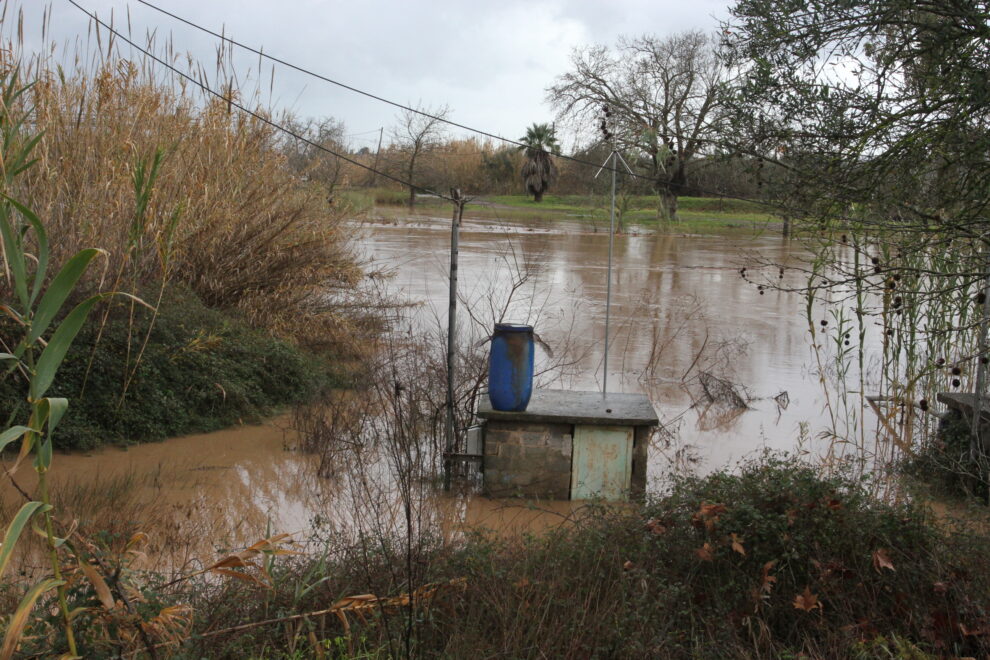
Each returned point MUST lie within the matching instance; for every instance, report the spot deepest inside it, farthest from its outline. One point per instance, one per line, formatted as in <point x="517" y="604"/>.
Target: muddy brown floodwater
<point x="679" y="308"/>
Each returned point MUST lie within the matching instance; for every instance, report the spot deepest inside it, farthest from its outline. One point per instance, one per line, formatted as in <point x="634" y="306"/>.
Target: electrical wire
<point x="356" y="90"/>
<point x="417" y="111"/>
<point x="259" y="117"/>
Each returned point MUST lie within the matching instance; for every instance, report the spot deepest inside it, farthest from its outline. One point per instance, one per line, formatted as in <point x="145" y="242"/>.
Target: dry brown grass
<point x="226" y="216"/>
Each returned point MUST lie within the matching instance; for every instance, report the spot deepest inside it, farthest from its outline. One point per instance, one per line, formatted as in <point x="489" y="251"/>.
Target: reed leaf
<point x="51" y="358"/>
<point x="14" y="530"/>
<point x="15" y="630"/>
<point x="59" y="290"/>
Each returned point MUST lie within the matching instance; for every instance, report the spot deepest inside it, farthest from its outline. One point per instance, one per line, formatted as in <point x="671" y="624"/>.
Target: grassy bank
<point x="772" y="561"/>
<point x="141" y="375"/>
<point x="696" y="214"/>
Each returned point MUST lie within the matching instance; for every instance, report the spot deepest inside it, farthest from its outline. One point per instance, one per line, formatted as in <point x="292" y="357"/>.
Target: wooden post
<point x="451" y="438"/>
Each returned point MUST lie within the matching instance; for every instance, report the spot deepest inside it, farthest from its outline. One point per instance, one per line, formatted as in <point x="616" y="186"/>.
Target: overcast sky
<point x="489" y="61"/>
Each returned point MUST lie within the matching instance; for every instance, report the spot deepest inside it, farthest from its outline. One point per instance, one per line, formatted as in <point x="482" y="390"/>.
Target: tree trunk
<point x="538" y="196"/>
<point x="666" y="206"/>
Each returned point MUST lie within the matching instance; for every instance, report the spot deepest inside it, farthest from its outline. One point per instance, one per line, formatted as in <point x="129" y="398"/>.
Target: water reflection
<point x="679" y="308"/>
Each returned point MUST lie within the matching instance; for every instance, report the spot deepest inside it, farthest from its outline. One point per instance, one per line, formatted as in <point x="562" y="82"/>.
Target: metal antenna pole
<point x="616" y="158"/>
<point x="608" y="277"/>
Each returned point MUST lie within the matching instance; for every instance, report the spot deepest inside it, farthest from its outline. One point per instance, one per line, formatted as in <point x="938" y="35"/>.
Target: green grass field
<point x="695" y="214"/>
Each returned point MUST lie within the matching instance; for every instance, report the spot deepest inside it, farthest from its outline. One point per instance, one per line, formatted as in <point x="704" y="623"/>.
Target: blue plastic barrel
<point x="510" y="367"/>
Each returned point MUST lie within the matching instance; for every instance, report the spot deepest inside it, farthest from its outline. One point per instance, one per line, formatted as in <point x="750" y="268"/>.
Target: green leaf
<point x="43" y="460"/>
<point x="43" y="250"/>
<point x="51" y="358"/>
<point x="59" y="290"/>
<point x="7" y="356"/>
<point x="14" y="255"/>
<point x="12" y="434"/>
<point x="15" y="628"/>
<point x="14" y="531"/>
<point x="57" y="407"/>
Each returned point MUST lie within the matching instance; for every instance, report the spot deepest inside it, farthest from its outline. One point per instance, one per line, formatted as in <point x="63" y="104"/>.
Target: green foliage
<point x="201" y="370"/>
<point x="945" y="461"/>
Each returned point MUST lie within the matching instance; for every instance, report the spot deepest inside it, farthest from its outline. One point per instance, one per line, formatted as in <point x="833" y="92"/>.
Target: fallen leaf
<point x="628" y="565"/>
<point x="807" y="601"/>
<point x="708" y="515"/>
<point x="705" y="552"/>
<point x="974" y="632"/>
<point x="767" y="580"/>
<point x="940" y="587"/>
<point x="737" y="544"/>
<point x="833" y="504"/>
<point x="655" y="526"/>
<point x="881" y="560"/>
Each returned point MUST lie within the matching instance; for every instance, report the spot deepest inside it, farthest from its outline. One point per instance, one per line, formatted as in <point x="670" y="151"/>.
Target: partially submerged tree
<point x="539" y="171"/>
<point x="662" y="95"/>
<point x="873" y="119"/>
<point x="417" y="132"/>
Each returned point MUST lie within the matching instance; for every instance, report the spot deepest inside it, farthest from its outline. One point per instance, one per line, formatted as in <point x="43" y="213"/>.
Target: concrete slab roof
<point x="567" y="407"/>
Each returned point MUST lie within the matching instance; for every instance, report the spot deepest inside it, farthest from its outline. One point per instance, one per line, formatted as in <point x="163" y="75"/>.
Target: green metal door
<point x="602" y="462"/>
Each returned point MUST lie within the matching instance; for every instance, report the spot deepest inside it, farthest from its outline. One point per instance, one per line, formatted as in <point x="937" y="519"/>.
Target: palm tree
<point x="539" y="170"/>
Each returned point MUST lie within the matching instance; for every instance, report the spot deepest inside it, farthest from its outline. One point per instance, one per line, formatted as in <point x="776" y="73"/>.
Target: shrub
<point x="772" y="561"/>
<point x="201" y="370"/>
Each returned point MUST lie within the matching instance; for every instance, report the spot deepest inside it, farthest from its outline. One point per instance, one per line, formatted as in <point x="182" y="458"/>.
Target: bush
<point x="945" y="462"/>
<point x="774" y="561"/>
<point x="200" y="371"/>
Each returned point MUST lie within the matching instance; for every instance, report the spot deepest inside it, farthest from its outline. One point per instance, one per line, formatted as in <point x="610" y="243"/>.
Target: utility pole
<point x="378" y="153"/>
<point x="455" y="227"/>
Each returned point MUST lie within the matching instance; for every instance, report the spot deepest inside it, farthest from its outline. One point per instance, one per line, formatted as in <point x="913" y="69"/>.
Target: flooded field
<point x="680" y="309"/>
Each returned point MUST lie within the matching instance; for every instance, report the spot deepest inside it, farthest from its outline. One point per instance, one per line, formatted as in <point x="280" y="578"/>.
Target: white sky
<point x="491" y="62"/>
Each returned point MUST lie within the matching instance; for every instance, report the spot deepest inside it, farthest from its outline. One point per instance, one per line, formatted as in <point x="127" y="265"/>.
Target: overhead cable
<point x="258" y="116"/>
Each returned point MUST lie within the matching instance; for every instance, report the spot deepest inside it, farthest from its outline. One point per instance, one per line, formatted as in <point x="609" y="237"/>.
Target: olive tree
<point x="662" y="98"/>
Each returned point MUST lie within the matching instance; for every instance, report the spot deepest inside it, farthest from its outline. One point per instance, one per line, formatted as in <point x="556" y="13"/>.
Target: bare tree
<point x="309" y="160"/>
<point x="662" y="103"/>
<point x="415" y="135"/>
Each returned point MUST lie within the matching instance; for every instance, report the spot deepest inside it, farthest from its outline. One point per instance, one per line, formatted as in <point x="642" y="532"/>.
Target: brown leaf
<point x="628" y="565"/>
<point x="737" y="544"/>
<point x="940" y="587"/>
<point x="655" y="526"/>
<point x="99" y="584"/>
<point x="978" y="631"/>
<point x="705" y="552"/>
<point x="833" y="504"/>
<point x="708" y="515"/>
<point x="881" y="560"/>
<point x="807" y="601"/>
<point x="767" y="580"/>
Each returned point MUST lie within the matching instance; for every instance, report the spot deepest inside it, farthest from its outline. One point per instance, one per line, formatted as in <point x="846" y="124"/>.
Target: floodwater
<point x="679" y="309"/>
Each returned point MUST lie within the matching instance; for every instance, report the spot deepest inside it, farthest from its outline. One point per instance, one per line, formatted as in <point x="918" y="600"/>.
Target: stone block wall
<point x="533" y="460"/>
<point x="528" y="460"/>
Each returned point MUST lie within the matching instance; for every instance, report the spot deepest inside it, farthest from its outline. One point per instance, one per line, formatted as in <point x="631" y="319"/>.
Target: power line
<point x="401" y="106"/>
<point x="242" y="108"/>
